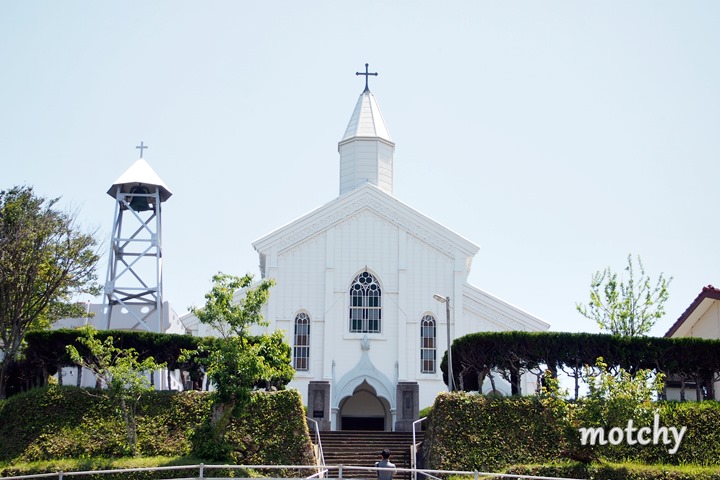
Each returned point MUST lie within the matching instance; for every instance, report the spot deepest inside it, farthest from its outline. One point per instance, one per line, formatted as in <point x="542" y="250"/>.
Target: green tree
<point x="237" y="362"/>
<point x="630" y="306"/>
<point x="45" y="260"/>
<point x="121" y="372"/>
<point x="612" y="399"/>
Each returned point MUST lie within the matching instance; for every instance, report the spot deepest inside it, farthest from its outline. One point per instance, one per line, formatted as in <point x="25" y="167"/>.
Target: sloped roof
<point x="500" y="312"/>
<point x="140" y="173"/>
<point x="371" y="197"/>
<point x="706" y="297"/>
<point x="366" y="120"/>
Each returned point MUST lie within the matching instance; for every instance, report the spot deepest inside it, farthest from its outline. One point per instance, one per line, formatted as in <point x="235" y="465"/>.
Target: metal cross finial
<point x="141" y="147"/>
<point x="367" y="74"/>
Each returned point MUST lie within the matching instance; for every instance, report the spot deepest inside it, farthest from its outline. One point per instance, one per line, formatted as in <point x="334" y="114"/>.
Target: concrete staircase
<point x="362" y="448"/>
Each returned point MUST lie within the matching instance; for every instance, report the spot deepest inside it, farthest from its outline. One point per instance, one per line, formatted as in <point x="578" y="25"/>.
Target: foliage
<point x="237" y="362"/>
<point x="476" y="355"/>
<point x="54" y="423"/>
<point x="120" y="467"/>
<point x="231" y="316"/>
<point x="45" y="260"/>
<point x="619" y="471"/>
<point x="613" y="399"/>
<point x="476" y="432"/>
<point x="628" y="308"/>
<point x="121" y="372"/>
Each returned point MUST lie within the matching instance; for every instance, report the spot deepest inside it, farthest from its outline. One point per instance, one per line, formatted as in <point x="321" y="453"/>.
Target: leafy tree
<point x="628" y="308"/>
<point x="614" y="398"/>
<point x="44" y="261"/>
<point x="121" y="372"/>
<point x="237" y="362"/>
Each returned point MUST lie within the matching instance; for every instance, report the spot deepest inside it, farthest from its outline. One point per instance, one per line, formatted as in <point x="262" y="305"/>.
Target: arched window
<point x="301" y="350"/>
<point x="365" y="312"/>
<point x="428" y="344"/>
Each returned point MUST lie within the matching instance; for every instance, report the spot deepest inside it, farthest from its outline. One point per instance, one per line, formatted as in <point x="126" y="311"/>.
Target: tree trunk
<point x="221" y="415"/>
<point x="129" y="419"/>
<point x="682" y="389"/>
<point x="514" y="382"/>
<point x="3" y="379"/>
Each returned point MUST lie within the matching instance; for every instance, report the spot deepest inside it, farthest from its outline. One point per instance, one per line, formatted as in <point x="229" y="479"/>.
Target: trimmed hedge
<point x="45" y="354"/>
<point x="478" y="433"/>
<point x="68" y="422"/>
<point x="514" y="352"/>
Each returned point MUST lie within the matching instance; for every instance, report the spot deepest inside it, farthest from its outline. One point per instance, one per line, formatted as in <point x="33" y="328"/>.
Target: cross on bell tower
<point x="133" y="287"/>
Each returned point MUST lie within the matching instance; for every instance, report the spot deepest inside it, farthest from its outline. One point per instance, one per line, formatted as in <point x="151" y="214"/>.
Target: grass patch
<point x="103" y="463"/>
<point x="617" y="471"/>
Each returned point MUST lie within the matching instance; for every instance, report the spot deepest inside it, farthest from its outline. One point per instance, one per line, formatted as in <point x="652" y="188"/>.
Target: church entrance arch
<point x="364" y="410"/>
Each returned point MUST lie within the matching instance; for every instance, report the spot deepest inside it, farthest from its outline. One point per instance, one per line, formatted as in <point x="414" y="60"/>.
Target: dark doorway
<point x="363" y="423"/>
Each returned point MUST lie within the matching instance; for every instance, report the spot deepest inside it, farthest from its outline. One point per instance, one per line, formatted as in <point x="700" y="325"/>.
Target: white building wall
<point x="364" y="240"/>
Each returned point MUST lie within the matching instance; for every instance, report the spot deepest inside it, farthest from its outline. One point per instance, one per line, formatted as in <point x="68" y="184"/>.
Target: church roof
<point x="140" y="173"/>
<point x="502" y="314"/>
<point x="366" y="120"/>
<point x="697" y="308"/>
<point x="372" y="198"/>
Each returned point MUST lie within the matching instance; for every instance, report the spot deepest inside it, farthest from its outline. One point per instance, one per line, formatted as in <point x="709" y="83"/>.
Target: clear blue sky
<point x="559" y="136"/>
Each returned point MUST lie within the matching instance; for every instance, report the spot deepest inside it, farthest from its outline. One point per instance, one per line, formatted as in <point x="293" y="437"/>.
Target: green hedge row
<point x="45" y="354"/>
<point x="479" y="433"/>
<point x="514" y="352"/>
<point x="68" y="422"/>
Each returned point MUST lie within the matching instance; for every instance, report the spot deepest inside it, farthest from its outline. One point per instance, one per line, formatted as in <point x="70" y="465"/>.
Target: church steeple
<point x="366" y="150"/>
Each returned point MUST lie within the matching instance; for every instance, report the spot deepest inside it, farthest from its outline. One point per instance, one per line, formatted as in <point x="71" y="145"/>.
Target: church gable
<point x="365" y="198"/>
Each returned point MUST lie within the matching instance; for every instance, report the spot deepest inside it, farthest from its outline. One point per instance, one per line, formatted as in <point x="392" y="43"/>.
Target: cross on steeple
<point x="367" y="74"/>
<point x="141" y="147"/>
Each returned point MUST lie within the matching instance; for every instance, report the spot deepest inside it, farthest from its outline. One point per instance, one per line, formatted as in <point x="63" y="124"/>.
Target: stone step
<point x="362" y="448"/>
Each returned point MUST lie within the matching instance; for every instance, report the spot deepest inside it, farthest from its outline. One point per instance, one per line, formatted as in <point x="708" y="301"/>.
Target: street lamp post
<point x="446" y="301"/>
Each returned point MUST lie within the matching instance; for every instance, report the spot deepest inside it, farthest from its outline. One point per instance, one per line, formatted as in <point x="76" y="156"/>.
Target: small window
<point x="428" y="348"/>
<point x="301" y="350"/>
<point x="365" y="304"/>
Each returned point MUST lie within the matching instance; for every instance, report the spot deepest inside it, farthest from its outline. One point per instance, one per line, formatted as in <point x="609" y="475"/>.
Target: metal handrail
<point x="202" y="467"/>
<point x="319" y="441"/>
<point x="413" y="453"/>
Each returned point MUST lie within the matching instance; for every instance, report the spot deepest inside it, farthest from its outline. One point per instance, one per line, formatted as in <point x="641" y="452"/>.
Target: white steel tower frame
<point x="134" y="278"/>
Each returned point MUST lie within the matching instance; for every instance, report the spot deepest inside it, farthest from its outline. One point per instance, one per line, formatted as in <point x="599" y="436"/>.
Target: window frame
<point x="428" y="344"/>
<point x="365" y="309"/>
<point x="301" y="342"/>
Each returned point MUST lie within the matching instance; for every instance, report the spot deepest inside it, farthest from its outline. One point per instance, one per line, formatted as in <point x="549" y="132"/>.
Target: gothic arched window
<point x="365" y="311"/>
<point x="301" y="349"/>
<point x="428" y="344"/>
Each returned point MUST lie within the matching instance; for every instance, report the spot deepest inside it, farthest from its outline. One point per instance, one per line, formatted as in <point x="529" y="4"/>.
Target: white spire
<point x="366" y="149"/>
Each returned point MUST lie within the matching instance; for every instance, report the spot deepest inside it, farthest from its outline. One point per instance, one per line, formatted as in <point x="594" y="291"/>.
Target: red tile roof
<point x="707" y="292"/>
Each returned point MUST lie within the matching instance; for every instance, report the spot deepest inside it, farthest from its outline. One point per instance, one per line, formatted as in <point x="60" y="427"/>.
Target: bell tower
<point x="366" y="149"/>
<point x="133" y="287"/>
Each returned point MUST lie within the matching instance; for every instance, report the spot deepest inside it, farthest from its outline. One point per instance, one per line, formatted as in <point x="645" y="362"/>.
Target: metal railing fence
<point x="328" y="470"/>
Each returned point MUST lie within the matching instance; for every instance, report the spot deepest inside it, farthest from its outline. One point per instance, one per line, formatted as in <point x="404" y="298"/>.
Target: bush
<point x="67" y="422"/>
<point x="477" y="433"/>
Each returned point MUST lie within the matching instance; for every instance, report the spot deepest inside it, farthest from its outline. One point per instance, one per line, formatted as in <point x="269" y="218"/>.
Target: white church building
<point x="355" y="281"/>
